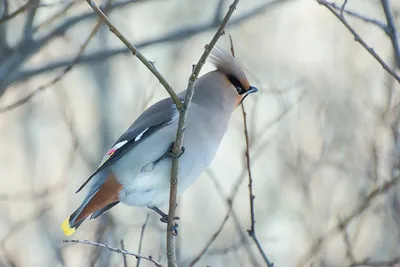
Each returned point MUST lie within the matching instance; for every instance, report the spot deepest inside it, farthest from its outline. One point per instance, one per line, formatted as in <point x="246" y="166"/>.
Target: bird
<point x="136" y="169"/>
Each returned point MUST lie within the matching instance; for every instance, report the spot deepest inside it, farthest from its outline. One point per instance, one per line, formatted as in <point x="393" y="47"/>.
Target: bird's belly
<point x="150" y="186"/>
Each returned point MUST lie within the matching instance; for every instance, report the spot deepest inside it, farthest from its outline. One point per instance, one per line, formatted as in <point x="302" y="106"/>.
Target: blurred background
<point x="323" y="132"/>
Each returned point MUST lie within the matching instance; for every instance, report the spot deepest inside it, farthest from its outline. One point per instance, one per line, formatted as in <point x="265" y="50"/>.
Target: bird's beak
<point x="252" y="90"/>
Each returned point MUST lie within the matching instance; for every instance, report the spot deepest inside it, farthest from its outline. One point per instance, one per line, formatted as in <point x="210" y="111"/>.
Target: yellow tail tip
<point x="66" y="228"/>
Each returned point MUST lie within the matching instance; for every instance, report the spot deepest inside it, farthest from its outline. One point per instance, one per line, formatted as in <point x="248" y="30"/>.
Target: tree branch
<point x="358" y="38"/>
<point x="62" y="74"/>
<point x="136" y="53"/>
<point x="117" y="250"/>
<point x="393" y="33"/>
<point x="172" y="36"/>
<point x="375" y="22"/>
<point x="180" y="134"/>
<point x="252" y="230"/>
<point x="344" y="222"/>
<point x="30" y="4"/>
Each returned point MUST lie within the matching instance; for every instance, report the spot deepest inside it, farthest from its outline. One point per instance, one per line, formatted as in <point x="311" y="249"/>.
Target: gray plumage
<point x="134" y="159"/>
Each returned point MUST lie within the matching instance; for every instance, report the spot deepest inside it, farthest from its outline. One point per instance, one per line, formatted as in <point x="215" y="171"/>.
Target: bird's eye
<point x="240" y="90"/>
<point x="237" y="84"/>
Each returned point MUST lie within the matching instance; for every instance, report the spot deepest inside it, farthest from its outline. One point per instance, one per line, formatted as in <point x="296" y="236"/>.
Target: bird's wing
<point x="154" y="118"/>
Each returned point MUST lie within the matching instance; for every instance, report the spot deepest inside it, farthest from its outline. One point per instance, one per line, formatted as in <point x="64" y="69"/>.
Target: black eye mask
<point x="236" y="83"/>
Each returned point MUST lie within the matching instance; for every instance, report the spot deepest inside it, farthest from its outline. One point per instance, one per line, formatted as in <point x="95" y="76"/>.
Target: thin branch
<point x="212" y="238"/>
<point x="141" y="238"/>
<point x="124" y="255"/>
<point x="171" y="255"/>
<point x="117" y="250"/>
<point x="25" y="49"/>
<point x="366" y="19"/>
<point x="136" y="53"/>
<point x="30" y="4"/>
<point x="175" y="35"/>
<point x="60" y="75"/>
<point x="382" y="263"/>
<point x="344" y="222"/>
<point x="252" y="230"/>
<point x="358" y="38"/>
<point x="229" y="200"/>
<point x="393" y="33"/>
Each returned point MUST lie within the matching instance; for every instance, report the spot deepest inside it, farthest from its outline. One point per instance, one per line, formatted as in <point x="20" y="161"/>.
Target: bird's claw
<point x="171" y="153"/>
<point x="165" y="218"/>
<point x="174" y="229"/>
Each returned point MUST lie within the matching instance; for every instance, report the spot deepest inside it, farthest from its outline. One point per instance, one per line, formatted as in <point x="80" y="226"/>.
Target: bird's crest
<point x="228" y="65"/>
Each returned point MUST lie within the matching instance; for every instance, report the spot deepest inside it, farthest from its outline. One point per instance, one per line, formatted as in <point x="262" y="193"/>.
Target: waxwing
<point x="136" y="169"/>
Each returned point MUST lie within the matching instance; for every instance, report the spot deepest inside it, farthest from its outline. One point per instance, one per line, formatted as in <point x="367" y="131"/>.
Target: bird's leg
<point x="164" y="217"/>
<point x="168" y="154"/>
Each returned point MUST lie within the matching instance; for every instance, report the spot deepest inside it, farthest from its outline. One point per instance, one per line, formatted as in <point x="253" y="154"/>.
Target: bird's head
<point x="233" y="72"/>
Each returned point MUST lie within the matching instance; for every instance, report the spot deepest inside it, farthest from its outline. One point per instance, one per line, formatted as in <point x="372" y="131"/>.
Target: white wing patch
<point x="119" y="145"/>
<point x="141" y="134"/>
<point x="112" y="150"/>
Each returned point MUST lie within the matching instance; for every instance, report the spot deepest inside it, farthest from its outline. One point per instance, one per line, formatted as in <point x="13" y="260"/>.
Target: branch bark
<point x="358" y="38"/>
<point x="393" y="33"/>
<point x="171" y="253"/>
<point x="117" y="250"/>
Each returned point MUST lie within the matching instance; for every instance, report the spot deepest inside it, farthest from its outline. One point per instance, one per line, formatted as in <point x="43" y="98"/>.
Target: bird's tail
<point x="102" y="198"/>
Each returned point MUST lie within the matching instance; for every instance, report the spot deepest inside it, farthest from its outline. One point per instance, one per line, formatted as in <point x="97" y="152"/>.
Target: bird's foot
<point x="164" y="217"/>
<point x="174" y="229"/>
<point x="171" y="153"/>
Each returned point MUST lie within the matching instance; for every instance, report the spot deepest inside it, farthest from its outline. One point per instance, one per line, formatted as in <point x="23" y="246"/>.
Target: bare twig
<point x="25" y="49"/>
<point x="117" y="250"/>
<point x="229" y="200"/>
<point x="382" y="263"/>
<point x="393" y="33"/>
<point x="175" y="35"/>
<point x="141" y="237"/>
<point x="137" y="54"/>
<point x="212" y="238"/>
<point x="252" y="230"/>
<point x="124" y="255"/>
<point x="60" y="75"/>
<point x="180" y="134"/>
<point x="375" y="22"/>
<point x="343" y="7"/>
<point x="358" y="38"/>
<point x="30" y="4"/>
<point x="344" y="222"/>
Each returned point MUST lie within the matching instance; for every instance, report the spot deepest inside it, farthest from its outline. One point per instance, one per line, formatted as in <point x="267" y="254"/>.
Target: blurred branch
<point x="369" y="263"/>
<point x="344" y="222"/>
<point x="62" y="74"/>
<point x="141" y="237"/>
<point x="393" y="33"/>
<point x="27" y="48"/>
<point x="29" y="196"/>
<point x="358" y="38"/>
<point x="172" y="36"/>
<point x="137" y="54"/>
<point x="117" y="250"/>
<point x="171" y="253"/>
<point x="375" y="22"/>
<point x="252" y="230"/>
<point x="123" y="255"/>
<point x="229" y="201"/>
<point x="54" y="16"/>
<point x="30" y="4"/>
